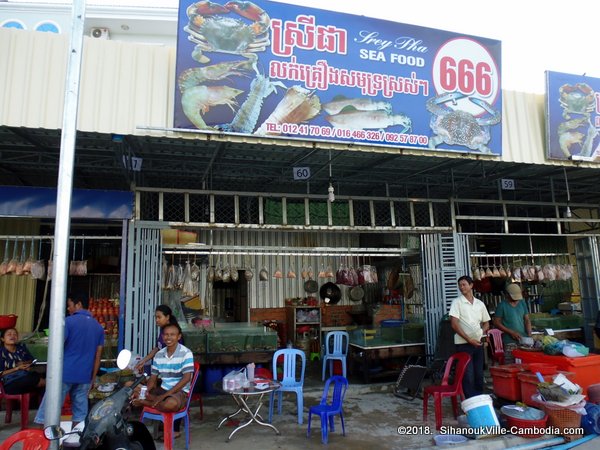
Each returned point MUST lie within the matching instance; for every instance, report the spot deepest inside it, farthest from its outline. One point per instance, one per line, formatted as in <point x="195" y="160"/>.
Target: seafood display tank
<point x="231" y="343"/>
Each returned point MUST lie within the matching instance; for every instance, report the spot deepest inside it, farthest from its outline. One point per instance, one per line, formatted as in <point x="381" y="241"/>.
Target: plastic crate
<point x="584" y="368"/>
<point x="529" y="382"/>
<point x="505" y="381"/>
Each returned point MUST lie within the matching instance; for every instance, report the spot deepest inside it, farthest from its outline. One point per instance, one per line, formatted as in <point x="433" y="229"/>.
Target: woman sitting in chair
<point x="15" y="365"/>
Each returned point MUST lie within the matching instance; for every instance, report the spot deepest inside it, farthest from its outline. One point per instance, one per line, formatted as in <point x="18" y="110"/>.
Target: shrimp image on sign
<point x="197" y="99"/>
<point x="247" y="116"/>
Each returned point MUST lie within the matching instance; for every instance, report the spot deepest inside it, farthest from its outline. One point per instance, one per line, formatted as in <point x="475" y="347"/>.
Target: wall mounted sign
<point x="274" y="69"/>
<point x="572" y="117"/>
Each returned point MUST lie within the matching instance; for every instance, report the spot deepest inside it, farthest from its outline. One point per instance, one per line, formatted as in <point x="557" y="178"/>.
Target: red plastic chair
<point x="10" y="398"/>
<point x="454" y="390"/>
<point x="261" y="372"/>
<point x="31" y="440"/>
<point x="168" y="418"/>
<point x="496" y="346"/>
<point x="198" y="396"/>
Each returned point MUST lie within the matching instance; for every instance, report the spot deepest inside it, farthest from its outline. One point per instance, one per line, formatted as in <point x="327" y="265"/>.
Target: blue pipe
<point x="568" y="445"/>
<point x="538" y="444"/>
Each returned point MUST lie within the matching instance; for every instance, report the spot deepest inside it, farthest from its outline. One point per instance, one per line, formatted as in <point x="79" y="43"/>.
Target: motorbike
<point x="105" y="426"/>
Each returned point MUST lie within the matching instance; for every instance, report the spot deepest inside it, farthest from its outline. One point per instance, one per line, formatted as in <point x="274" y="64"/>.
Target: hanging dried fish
<point x="195" y="272"/>
<point x="188" y="283"/>
<point x="226" y="273"/>
<point x="219" y="272"/>
<point x="235" y="276"/>
<point x="171" y="278"/>
<point x="164" y="273"/>
<point x="179" y="277"/>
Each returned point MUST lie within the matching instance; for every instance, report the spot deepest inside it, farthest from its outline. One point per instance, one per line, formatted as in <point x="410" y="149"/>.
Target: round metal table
<point x="249" y="401"/>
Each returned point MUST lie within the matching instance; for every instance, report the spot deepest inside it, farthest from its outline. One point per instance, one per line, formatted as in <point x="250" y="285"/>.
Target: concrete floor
<point x="372" y="415"/>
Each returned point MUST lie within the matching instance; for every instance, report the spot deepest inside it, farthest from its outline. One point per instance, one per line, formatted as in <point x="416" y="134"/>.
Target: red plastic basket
<point x="524" y="424"/>
<point x="8" y="321"/>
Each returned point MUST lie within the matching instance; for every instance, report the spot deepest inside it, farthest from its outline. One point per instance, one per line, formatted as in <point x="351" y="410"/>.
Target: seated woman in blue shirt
<point x="15" y="365"/>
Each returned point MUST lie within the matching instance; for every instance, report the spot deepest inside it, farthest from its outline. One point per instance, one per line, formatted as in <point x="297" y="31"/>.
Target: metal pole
<point x="62" y="224"/>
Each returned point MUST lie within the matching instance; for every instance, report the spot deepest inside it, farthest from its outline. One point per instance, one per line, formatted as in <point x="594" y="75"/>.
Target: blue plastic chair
<point x="290" y="382"/>
<point x="168" y="418"/>
<point x="336" y="347"/>
<point x="327" y="411"/>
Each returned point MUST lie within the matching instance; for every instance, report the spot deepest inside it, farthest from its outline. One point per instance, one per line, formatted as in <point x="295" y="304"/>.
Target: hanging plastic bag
<point x="38" y="268"/>
<point x="29" y="262"/>
<point x="12" y="264"/>
<point x="4" y="264"/>
<point x="21" y="262"/>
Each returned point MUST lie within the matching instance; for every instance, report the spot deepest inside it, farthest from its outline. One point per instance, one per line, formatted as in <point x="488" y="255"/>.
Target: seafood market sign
<point x="273" y="69"/>
<point x="573" y="116"/>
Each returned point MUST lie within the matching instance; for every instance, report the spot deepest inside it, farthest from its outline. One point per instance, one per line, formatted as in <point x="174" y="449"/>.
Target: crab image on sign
<point x="458" y="127"/>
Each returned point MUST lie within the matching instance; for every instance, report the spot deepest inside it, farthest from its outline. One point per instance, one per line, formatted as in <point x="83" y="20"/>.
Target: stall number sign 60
<point x="464" y="65"/>
<point x="301" y="173"/>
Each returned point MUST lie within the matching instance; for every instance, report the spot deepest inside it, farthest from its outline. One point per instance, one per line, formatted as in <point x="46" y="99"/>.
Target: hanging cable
<point x="568" y="213"/>
<point x="330" y="189"/>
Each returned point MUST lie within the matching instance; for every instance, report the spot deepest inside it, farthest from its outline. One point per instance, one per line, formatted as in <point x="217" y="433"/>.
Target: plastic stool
<point x="315" y="355"/>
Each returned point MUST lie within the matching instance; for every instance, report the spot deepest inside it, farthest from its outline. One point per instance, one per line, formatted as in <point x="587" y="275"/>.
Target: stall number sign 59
<point x="507" y="184"/>
<point x="301" y="173"/>
<point x="464" y="65"/>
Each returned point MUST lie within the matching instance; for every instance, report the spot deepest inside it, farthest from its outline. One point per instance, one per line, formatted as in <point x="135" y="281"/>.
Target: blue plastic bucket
<point x="480" y="411"/>
<point x="212" y="375"/>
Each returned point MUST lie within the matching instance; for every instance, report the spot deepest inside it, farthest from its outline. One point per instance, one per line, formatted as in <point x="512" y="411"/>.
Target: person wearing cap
<point x="470" y="320"/>
<point x="512" y="317"/>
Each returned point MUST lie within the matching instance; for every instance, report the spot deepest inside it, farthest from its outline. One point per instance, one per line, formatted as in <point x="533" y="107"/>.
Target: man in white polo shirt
<point x="470" y="320"/>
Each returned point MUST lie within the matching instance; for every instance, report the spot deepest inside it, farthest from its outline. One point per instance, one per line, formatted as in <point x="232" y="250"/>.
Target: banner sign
<point x="16" y="201"/>
<point x="274" y="69"/>
<point x="573" y="116"/>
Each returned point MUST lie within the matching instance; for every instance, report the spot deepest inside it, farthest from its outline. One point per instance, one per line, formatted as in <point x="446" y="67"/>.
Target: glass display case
<point x="37" y="344"/>
<point x="223" y="342"/>
<point x="406" y="333"/>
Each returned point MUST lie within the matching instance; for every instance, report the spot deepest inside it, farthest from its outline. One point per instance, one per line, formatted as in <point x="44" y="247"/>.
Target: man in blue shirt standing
<point x="84" y="340"/>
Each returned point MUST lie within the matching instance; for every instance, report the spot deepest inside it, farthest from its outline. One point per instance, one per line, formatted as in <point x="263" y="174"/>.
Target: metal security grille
<point x="588" y="265"/>
<point x="444" y="259"/>
<point x="219" y="209"/>
<point x="143" y="288"/>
